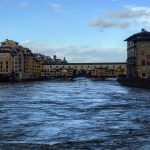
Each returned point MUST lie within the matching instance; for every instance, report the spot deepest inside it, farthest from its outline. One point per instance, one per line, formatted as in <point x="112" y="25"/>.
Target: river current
<point x="80" y="114"/>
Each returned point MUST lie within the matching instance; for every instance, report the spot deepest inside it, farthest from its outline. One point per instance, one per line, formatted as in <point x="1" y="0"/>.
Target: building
<point x="9" y="43"/>
<point x="5" y="64"/>
<point x="16" y="56"/>
<point x="19" y="63"/>
<point x="138" y="55"/>
<point x="8" y="51"/>
<point x="114" y="69"/>
<point x="37" y="65"/>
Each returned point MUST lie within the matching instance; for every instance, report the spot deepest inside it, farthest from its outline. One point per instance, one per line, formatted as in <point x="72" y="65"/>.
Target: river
<point x="80" y="114"/>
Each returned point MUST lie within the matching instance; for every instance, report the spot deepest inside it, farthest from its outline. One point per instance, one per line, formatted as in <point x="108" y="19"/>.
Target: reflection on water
<point x="82" y="114"/>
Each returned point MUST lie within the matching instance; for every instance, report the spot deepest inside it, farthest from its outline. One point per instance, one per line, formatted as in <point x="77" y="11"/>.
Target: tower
<point x="138" y="54"/>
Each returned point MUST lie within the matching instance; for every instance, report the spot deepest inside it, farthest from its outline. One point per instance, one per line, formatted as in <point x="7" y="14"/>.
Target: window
<point x="142" y="52"/>
<point x="143" y="62"/>
<point x="1" y="64"/>
<point x="148" y="62"/>
<point x="143" y="74"/>
<point x="143" y="45"/>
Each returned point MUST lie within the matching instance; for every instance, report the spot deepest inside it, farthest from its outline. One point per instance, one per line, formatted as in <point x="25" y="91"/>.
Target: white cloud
<point x="131" y="12"/>
<point x="129" y="16"/>
<point x="58" y="8"/>
<point x="139" y="16"/>
<point x="26" y="42"/>
<point x="78" y="53"/>
<point x="107" y="23"/>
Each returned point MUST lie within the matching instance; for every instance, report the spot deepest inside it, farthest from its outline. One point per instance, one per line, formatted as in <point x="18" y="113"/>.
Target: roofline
<point x="134" y="36"/>
<point x="128" y="39"/>
<point x="109" y="63"/>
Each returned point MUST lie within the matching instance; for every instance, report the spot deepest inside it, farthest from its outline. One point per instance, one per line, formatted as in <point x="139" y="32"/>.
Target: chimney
<point x="143" y="30"/>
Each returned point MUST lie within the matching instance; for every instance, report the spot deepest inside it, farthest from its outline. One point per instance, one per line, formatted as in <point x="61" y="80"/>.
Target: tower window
<point x="143" y="62"/>
<point x="143" y="74"/>
<point x="142" y="52"/>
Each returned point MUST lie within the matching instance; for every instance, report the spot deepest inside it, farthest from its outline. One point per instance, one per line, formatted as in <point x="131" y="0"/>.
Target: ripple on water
<point x="81" y="114"/>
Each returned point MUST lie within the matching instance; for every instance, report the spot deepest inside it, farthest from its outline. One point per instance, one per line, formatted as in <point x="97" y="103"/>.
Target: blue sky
<point x="80" y="30"/>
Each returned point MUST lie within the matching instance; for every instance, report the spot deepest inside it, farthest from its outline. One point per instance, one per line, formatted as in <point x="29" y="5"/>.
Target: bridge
<point x="82" y="69"/>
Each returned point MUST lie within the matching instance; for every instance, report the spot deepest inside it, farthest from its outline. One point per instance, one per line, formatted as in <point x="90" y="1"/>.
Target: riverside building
<point x="138" y="60"/>
<point x="5" y="64"/>
<point x="138" y="55"/>
<point x="18" y="63"/>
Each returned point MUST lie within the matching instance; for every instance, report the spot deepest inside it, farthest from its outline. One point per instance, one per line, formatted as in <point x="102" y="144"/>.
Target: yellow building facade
<point x="138" y="55"/>
<point x="5" y="63"/>
<point x="19" y="62"/>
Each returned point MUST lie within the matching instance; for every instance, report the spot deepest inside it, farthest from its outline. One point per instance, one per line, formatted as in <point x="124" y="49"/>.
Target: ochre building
<point x="138" y="55"/>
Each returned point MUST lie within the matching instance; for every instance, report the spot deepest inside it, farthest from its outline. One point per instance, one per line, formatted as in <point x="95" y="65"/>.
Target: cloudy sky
<point x="80" y="30"/>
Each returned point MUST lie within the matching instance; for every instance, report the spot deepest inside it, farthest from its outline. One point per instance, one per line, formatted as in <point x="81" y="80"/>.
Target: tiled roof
<point x="144" y="35"/>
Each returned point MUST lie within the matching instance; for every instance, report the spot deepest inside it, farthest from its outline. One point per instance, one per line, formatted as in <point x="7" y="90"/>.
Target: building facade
<point x="138" y="55"/>
<point x="19" y="63"/>
<point x="114" y="69"/>
<point x="5" y="64"/>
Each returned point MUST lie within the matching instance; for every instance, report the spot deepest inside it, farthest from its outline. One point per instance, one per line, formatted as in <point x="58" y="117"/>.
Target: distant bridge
<point x="82" y="69"/>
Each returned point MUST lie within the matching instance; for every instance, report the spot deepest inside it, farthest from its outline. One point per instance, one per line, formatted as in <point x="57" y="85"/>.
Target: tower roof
<point x="141" y="36"/>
